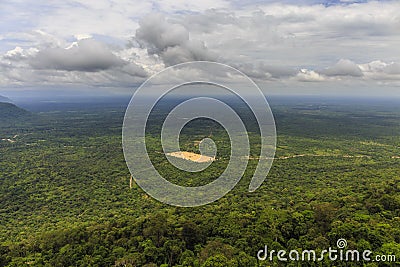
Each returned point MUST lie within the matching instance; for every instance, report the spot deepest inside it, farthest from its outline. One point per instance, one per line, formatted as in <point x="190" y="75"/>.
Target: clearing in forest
<point x="191" y="156"/>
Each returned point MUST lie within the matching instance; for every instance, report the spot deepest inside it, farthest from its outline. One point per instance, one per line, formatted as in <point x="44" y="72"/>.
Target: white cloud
<point x="172" y="6"/>
<point x="19" y="53"/>
<point x="81" y="36"/>
<point x="379" y="70"/>
<point x="344" y="67"/>
<point x="305" y="75"/>
<point x="86" y="41"/>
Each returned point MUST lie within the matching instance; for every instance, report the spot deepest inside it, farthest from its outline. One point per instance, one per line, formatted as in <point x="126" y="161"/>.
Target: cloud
<point x="86" y="61"/>
<point x="84" y="55"/>
<point x="305" y="75"/>
<point x="170" y="41"/>
<point x="254" y="71"/>
<point x="379" y="70"/>
<point x="19" y="53"/>
<point x="344" y="67"/>
<point x="379" y="66"/>
<point x="392" y="68"/>
<point x="268" y="40"/>
<point x="260" y="70"/>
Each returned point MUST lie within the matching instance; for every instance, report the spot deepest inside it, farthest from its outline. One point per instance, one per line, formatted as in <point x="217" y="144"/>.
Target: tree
<point x="191" y="234"/>
<point x="217" y="260"/>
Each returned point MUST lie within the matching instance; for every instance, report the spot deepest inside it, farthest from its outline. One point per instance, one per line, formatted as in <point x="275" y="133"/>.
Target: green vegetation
<point x="65" y="198"/>
<point x="11" y="114"/>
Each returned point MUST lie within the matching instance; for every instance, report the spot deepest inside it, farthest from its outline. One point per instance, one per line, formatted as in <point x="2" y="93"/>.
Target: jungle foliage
<point x="65" y="198"/>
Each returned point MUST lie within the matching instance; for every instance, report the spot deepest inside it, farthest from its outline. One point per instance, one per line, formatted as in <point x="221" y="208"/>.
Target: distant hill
<point x="4" y="99"/>
<point x="10" y="113"/>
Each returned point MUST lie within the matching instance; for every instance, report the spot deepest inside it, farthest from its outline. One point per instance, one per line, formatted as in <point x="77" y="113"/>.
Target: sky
<point x="286" y="47"/>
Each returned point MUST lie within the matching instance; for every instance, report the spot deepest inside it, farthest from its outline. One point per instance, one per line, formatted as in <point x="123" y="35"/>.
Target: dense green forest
<point x="11" y="114"/>
<point x="65" y="198"/>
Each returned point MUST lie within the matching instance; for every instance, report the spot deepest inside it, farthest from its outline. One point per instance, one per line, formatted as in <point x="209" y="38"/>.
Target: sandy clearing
<point x="191" y="156"/>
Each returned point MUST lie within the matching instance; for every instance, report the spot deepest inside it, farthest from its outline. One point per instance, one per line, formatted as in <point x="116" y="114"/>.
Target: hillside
<point x="4" y="99"/>
<point x="10" y="112"/>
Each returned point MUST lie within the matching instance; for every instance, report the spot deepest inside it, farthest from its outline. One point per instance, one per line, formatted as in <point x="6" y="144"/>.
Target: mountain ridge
<point x="4" y="99"/>
<point x="9" y="112"/>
